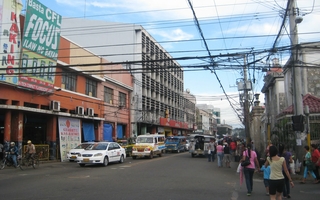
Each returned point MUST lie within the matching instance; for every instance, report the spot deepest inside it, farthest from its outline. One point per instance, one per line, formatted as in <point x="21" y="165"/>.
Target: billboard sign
<point x="41" y="37"/>
<point x="10" y="43"/>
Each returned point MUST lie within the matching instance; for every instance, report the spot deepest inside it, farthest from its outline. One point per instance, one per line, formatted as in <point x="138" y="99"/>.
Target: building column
<point x="52" y="137"/>
<point x="7" y="126"/>
<point x="17" y="128"/>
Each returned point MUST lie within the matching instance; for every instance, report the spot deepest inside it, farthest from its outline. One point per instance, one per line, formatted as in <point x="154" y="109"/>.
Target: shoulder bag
<point x="246" y="162"/>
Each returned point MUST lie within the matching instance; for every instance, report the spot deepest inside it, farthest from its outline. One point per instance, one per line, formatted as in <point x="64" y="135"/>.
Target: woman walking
<point x="288" y="159"/>
<point x="276" y="181"/>
<point x="220" y="153"/>
<point x="309" y="166"/>
<point x="249" y="170"/>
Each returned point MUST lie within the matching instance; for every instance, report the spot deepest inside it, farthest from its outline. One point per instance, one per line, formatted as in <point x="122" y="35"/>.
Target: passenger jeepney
<point x="176" y="144"/>
<point x="149" y="146"/>
<point x="127" y="144"/>
<point x="199" y="144"/>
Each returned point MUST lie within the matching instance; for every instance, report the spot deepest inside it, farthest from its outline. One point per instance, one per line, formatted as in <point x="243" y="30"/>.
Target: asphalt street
<point x="172" y="176"/>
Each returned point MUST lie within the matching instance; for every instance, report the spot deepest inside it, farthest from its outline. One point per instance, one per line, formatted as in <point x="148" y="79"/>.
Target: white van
<point x="149" y="146"/>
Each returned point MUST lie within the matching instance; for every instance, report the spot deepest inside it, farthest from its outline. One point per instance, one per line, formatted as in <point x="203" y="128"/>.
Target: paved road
<point x="172" y="177"/>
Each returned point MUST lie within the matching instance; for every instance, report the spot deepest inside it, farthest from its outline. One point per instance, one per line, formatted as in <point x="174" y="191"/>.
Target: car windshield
<point x="144" y="140"/>
<point x="83" y="146"/>
<point x="123" y="142"/>
<point x="99" y="146"/>
<point x="172" y="140"/>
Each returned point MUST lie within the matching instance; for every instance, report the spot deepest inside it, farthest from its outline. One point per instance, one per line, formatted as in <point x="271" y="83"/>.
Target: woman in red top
<point x="315" y="158"/>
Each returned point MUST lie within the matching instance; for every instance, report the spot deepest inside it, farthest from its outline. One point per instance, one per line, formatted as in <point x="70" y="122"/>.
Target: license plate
<point x="86" y="160"/>
<point x="73" y="156"/>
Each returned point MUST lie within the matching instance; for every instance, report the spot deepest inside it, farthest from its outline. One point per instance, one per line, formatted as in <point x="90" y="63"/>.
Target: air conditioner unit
<point x="55" y="106"/>
<point x="90" y="112"/>
<point x="80" y="110"/>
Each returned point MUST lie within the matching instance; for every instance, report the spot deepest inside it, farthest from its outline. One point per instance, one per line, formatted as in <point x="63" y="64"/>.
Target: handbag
<point x="246" y="162"/>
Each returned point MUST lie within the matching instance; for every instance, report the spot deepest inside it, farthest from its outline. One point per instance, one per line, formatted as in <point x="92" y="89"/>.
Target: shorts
<point x="266" y="182"/>
<point x="276" y="186"/>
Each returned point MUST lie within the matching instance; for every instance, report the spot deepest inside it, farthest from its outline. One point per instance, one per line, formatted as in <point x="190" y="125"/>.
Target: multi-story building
<point x="58" y="95"/>
<point x="158" y="103"/>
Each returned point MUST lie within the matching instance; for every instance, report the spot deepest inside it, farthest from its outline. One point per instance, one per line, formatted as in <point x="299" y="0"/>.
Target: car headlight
<point x="97" y="154"/>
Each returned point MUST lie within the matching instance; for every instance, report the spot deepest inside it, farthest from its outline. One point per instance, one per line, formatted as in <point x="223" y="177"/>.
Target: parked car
<point x="73" y="153"/>
<point x="102" y="153"/>
<point x="127" y="144"/>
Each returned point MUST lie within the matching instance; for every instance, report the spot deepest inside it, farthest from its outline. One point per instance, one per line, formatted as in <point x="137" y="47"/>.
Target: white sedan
<point x="102" y="153"/>
<point x="73" y="153"/>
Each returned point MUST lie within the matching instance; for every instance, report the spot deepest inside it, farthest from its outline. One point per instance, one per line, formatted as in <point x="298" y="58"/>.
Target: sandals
<point x="302" y="182"/>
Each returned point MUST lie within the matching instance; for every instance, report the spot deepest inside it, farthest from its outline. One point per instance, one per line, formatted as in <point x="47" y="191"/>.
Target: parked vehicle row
<point x="143" y="146"/>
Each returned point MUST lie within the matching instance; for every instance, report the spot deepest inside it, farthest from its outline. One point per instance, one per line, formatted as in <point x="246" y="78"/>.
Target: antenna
<point x="84" y="12"/>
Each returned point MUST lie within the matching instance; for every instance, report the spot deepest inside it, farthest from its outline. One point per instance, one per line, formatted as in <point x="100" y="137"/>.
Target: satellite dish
<point x="188" y="91"/>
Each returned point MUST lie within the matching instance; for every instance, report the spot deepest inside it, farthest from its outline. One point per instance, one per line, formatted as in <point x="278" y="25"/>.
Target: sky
<point x="232" y="33"/>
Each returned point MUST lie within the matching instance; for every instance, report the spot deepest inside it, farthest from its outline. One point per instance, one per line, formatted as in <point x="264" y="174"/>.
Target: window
<point x="91" y="88"/>
<point x="69" y="80"/>
<point x="108" y="95"/>
<point x="122" y="99"/>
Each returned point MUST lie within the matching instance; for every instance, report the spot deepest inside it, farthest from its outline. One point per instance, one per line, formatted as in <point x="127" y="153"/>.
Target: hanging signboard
<point x="10" y="44"/>
<point x="41" y="37"/>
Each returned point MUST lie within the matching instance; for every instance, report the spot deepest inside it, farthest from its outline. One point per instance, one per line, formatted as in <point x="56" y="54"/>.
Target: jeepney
<point x="199" y="144"/>
<point x="127" y="144"/>
<point x="176" y="144"/>
<point x="148" y="146"/>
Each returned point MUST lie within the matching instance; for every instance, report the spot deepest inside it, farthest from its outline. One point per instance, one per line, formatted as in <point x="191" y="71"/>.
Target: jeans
<point x="211" y="157"/>
<point x="220" y="158"/>
<point x="306" y="173"/>
<point x="286" y="188"/>
<point x="13" y="159"/>
<point x="248" y="174"/>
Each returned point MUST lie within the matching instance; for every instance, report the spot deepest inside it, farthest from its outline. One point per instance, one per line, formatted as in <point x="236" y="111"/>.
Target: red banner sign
<point x="173" y="123"/>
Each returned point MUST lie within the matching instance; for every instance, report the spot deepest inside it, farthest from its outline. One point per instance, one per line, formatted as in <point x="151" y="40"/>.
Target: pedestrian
<point x="249" y="169"/>
<point x="288" y="159"/>
<point x="276" y="181"/>
<point x="220" y="153"/>
<point x="212" y="148"/>
<point x="1" y="151"/>
<point x="226" y="155"/>
<point x="233" y="147"/>
<point x="266" y="177"/>
<point x="315" y="158"/>
<point x="309" y="166"/>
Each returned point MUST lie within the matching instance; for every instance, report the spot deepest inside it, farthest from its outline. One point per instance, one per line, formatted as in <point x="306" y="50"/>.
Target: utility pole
<point x="296" y="70"/>
<point x="247" y="87"/>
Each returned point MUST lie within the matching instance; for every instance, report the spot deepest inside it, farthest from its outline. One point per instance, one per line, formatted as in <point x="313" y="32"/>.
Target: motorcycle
<point x="6" y="161"/>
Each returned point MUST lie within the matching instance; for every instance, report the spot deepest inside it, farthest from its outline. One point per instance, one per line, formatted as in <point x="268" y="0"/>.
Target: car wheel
<point x="121" y="159"/>
<point x="134" y="157"/>
<point x="160" y="154"/>
<point x="178" y="151"/>
<point x="192" y="155"/>
<point x="105" y="161"/>
<point x="151" y="155"/>
<point x="82" y="165"/>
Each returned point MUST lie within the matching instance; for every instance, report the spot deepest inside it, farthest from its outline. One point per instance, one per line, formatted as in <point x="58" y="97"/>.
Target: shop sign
<point x="173" y="123"/>
<point x="40" y="45"/>
<point x="10" y="43"/>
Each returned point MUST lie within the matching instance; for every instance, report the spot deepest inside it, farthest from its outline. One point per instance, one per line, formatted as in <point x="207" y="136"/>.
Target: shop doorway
<point x="35" y="129"/>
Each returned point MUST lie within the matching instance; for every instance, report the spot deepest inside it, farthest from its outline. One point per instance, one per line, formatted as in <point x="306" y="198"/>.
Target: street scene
<point x="173" y="176"/>
<point x="183" y="99"/>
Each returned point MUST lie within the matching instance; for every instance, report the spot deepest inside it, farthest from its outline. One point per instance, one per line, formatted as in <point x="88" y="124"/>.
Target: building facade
<point x="158" y="102"/>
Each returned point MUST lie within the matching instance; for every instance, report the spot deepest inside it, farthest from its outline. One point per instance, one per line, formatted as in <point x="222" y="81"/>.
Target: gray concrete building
<point x="157" y="101"/>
